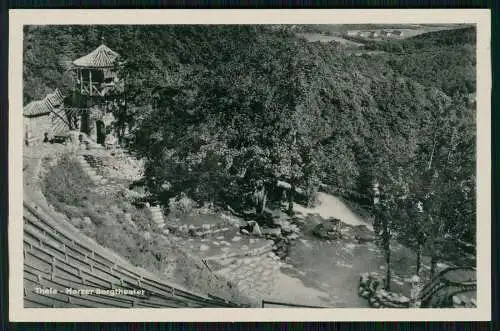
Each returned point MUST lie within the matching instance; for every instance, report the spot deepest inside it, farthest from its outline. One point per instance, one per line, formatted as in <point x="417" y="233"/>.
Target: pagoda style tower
<point x="97" y="71"/>
<point x="98" y="91"/>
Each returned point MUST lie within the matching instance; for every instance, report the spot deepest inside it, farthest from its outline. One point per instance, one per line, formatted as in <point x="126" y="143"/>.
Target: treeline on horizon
<point x="219" y="110"/>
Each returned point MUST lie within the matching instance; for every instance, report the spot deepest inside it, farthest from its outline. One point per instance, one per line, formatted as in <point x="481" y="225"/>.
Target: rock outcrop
<point x="363" y="235"/>
<point x="329" y="229"/>
<point x="370" y="288"/>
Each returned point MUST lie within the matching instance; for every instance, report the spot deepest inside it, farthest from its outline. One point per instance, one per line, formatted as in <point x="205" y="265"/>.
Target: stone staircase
<point x="158" y="219"/>
<point x="94" y="177"/>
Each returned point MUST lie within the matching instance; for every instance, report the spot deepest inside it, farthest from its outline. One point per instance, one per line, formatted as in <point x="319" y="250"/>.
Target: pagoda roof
<point x="44" y="106"/>
<point x="101" y="57"/>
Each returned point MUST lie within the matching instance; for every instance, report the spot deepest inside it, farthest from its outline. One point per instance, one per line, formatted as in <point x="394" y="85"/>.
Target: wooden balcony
<point x="95" y="88"/>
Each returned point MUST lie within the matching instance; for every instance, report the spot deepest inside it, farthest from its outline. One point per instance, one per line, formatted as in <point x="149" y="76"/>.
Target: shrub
<point x="66" y="182"/>
<point x="181" y="205"/>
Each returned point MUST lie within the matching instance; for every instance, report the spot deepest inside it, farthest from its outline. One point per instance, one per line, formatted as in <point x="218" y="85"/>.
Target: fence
<point x="449" y="282"/>
<point x="284" y="304"/>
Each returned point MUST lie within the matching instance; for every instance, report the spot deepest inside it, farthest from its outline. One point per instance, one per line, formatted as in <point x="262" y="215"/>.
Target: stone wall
<point x="35" y="128"/>
<point x="371" y="288"/>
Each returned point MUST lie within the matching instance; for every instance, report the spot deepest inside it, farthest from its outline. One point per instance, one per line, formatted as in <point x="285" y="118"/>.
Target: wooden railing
<point x="285" y="304"/>
<point x="441" y="289"/>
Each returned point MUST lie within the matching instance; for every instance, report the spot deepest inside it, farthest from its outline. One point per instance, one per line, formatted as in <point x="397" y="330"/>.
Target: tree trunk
<point x="387" y="249"/>
<point x="419" y="258"/>
<point x="433" y="265"/>
<point x="291" y="195"/>
<point x="432" y="152"/>
<point x="260" y="200"/>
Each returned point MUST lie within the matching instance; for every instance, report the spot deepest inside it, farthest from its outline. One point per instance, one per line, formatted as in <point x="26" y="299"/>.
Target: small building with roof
<point x="99" y="89"/>
<point x="96" y="72"/>
<point x="41" y="118"/>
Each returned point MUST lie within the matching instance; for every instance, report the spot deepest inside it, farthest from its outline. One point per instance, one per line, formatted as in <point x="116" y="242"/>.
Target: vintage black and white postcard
<point x="264" y="165"/>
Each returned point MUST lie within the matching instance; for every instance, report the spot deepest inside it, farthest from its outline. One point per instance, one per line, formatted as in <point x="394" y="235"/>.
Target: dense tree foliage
<point x="443" y="59"/>
<point x="218" y="111"/>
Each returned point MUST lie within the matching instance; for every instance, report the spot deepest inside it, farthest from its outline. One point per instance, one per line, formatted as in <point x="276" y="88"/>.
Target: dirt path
<point x="331" y="206"/>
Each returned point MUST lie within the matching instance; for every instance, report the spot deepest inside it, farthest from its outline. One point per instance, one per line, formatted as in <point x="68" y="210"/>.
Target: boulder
<point x="127" y="217"/>
<point x="313" y="219"/>
<point x="329" y="229"/>
<point x="244" y="231"/>
<point x="293" y="236"/>
<point x="363" y="235"/>
<point x="204" y="247"/>
<point x="286" y="229"/>
<point x="87" y="220"/>
<point x="391" y="300"/>
<point x="251" y="227"/>
<point x="248" y="226"/>
<point x="273" y="214"/>
<point x="295" y="228"/>
<point x="297" y="221"/>
<point x="272" y="232"/>
<point x="76" y="221"/>
<point x="256" y="230"/>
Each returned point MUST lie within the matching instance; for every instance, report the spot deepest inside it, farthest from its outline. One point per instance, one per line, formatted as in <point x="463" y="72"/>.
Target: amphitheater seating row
<point x="59" y="260"/>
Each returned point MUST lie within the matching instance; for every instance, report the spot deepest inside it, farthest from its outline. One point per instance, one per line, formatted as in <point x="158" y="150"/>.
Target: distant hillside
<point x="442" y="38"/>
<point x="443" y="59"/>
<point x="341" y="28"/>
<point x="427" y="41"/>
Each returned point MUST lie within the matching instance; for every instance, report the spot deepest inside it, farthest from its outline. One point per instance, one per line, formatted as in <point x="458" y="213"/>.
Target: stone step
<point x="157" y="213"/>
<point x="159" y="222"/>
